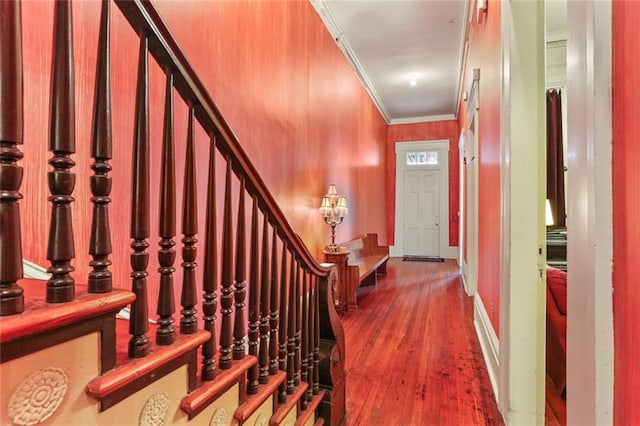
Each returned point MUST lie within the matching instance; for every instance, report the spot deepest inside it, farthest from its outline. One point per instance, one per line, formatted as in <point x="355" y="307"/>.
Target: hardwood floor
<point x="413" y="357"/>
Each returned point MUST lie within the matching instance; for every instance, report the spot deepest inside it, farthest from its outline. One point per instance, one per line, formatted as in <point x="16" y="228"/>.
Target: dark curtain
<point x="555" y="160"/>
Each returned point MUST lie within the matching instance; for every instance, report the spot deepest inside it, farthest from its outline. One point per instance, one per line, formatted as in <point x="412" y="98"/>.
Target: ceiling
<point x="391" y="43"/>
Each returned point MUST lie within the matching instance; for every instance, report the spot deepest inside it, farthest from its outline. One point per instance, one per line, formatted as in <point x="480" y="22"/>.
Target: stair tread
<point x="40" y="315"/>
<point x="208" y="391"/>
<point x="284" y="408"/>
<point x="304" y="416"/>
<point x="253" y="402"/>
<point x="132" y="369"/>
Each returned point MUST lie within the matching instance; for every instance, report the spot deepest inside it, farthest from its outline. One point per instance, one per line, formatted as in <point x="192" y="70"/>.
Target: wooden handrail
<point x="143" y="16"/>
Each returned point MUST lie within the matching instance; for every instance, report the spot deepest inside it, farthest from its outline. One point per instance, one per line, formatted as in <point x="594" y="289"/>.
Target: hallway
<point x="413" y="357"/>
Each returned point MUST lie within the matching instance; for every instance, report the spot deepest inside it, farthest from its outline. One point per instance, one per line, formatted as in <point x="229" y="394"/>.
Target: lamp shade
<point x="325" y="207"/>
<point x="342" y="206"/>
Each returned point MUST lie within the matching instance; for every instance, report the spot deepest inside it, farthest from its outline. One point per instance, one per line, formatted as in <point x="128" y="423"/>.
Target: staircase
<point x="273" y="353"/>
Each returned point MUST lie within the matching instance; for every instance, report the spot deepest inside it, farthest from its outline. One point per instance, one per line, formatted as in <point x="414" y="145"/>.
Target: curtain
<point x="555" y="157"/>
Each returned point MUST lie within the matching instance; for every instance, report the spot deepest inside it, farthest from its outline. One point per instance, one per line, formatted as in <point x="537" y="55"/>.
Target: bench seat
<point x="366" y="260"/>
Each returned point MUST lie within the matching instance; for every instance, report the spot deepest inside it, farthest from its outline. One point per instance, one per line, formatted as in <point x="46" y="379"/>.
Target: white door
<point x="421" y="213"/>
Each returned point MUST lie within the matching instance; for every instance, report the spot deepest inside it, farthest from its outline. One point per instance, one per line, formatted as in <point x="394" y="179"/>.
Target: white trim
<point x="522" y="290"/>
<point x="590" y="344"/>
<point x="471" y="166"/>
<point x="488" y="341"/>
<point x="461" y="201"/>
<point x="422" y="119"/>
<point x="442" y="146"/>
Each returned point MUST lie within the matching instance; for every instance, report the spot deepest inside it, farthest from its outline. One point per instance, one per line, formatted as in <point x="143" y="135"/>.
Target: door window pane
<point x="422" y="158"/>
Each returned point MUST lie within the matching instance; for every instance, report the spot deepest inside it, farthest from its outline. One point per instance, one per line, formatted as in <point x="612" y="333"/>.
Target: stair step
<point x="39" y="316"/>
<point x="209" y="391"/>
<point x="134" y="374"/>
<point x="292" y="400"/>
<point x="253" y="402"/>
<point x="304" y="416"/>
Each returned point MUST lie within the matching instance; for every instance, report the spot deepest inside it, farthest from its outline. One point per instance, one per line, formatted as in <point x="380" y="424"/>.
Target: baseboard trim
<point x="450" y="253"/>
<point x="488" y="341"/>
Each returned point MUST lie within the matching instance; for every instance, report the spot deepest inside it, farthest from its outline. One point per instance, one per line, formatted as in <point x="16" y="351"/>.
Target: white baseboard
<point x="395" y="251"/>
<point x="488" y="341"/>
<point x="450" y="253"/>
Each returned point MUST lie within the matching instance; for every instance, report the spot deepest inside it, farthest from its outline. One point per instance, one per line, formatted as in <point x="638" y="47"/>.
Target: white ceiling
<point x="389" y="43"/>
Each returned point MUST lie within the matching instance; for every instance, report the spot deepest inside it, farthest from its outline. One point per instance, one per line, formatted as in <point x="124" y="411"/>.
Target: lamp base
<point x="333" y="248"/>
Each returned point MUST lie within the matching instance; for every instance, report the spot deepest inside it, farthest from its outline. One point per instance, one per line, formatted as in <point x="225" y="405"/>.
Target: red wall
<point x="626" y="211"/>
<point x="424" y="132"/>
<point x="277" y="76"/>
<point x="484" y="53"/>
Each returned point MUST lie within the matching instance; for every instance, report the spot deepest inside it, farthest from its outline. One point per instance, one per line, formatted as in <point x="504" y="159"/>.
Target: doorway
<point x="421" y="229"/>
<point x="422" y="200"/>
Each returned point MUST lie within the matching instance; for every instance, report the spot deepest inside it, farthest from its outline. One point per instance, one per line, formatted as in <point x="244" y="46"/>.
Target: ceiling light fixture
<point x="413" y="82"/>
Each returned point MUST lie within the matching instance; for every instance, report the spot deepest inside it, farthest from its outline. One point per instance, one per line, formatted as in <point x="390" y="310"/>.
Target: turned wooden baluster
<point x="274" y="306"/>
<point x="189" y="297"/>
<point x="291" y="326"/>
<point x="11" y="134"/>
<point x="283" y="337"/>
<point x="99" y="280"/>
<point x="254" y="298"/>
<point x="304" y="335"/>
<point x="226" y="278"/>
<point x="60" y="248"/>
<point x="316" y="337"/>
<point x="226" y="296"/>
<point x="311" y="304"/>
<point x="239" y="293"/>
<point x="298" y="324"/>
<point x="265" y="299"/>
<point x="165" y="334"/>
<point x="139" y="325"/>
<point x="210" y="274"/>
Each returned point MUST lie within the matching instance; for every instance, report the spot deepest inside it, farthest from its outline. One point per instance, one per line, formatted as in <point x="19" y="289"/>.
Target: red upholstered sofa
<point x="556" y="354"/>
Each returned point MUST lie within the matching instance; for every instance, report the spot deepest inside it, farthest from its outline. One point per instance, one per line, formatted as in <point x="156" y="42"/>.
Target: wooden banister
<point x="138" y="326"/>
<point x="226" y="293"/>
<point x="254" y="299"/>
<point x="165" y="334"/>
<point x="239" y="292"/>
<point x="60" y="247"/>
<point x="289" y="310"/>
<point x="11" y="135"/>
<point x="99" y="280"/>
<point x="142" y="15"/>
<point x="210" y="275"/>
<point x="189" y="298"/>
<point x="265" y="299"/>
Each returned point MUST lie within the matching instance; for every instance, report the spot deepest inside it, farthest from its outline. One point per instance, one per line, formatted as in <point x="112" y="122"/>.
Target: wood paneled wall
<point x="421" y="132"/>
<point x="626" y="211"/>
<point x="277" y="76"/>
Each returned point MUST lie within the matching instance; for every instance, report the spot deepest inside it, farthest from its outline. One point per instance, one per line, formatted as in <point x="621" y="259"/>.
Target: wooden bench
<point x="366" y="260"/>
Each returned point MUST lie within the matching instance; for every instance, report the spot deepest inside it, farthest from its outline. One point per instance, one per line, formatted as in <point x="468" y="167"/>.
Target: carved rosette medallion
<point x="38" y="396"/>
<point x="220" y="417"/>
<point x="154" y="410"/>
<point x="261" y="420"/>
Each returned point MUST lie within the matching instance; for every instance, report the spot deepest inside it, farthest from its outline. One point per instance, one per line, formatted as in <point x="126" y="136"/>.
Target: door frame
<point x="401" y="148"/>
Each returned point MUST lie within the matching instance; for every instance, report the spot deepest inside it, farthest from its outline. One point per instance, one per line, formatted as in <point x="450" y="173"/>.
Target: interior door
<point x="421" y="213"/>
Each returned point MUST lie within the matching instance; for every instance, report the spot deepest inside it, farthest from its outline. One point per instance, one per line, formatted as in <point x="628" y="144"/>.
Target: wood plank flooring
<point x="413" y="357"/>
